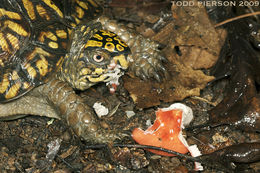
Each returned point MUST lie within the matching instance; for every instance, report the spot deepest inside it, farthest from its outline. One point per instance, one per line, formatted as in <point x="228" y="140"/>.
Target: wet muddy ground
<point x="192" y="46"/>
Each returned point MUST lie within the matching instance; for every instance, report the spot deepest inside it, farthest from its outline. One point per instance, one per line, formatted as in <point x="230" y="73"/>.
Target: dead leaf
<point x="195" y="36"/>
<point x="199" y="43"/>
<point x="182" y="82"/>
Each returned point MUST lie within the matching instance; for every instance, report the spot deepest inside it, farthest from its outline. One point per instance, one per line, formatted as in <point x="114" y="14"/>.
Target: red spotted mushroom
<point x="163" y="133"/>
<point x="166" y="132"/>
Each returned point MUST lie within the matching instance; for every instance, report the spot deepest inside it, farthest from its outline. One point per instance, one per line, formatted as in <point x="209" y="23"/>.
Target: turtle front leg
<point x="77" y="114"/>
<point x="57" y="99"/>
<point x="147" y="60"/>
<point x="30" y="104"/>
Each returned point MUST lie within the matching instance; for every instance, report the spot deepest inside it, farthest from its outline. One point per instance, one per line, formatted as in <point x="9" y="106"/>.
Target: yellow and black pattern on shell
<point x="108" y="41"/>
<point x="34" y="38"/>
<point x="83" y="11"/>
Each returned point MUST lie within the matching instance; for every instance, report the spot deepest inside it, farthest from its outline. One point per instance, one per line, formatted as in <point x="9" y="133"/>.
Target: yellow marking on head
<point x="4" y="84"/>
<point x="85" y="71"/>
<point x="15" y="75"/>
<point x="109" y="39"/>
<point x="13" y="91"/>
<point x="13" y="40"/>
<point x="80" y="12"/>
<point x="26" y="85"/>
<point x="16" y="28"/>
<point x="54" y="7"/>
<point x="108" y="33"/>
<point x="110" y="47"/>
<point x="28" y="5"/>
<point x="120" y="48"/>
<point x="32" y="72"/>
<point x="95" y="80"/>
<point x="53" y="45"/>
<point x="10" y="14"/>
<point x="93" y="43"/>
<point x="120" y="41"/>
<point x="122" y="61"/>
<point x="42" y="65"/>
<point x="98" y="71"/>
<point x="3" y="43"/>
<point x="82" y="4"/>
<point x="42" y="12"/>
<point x="39" y="51"/>
<point x="97" y="36"/>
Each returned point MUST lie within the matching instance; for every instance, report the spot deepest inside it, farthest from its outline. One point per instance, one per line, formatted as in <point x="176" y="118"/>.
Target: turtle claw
<point x="157" y="77"/>
<point x="163" y="58"/>
<point x="149" y="65"/>
<point x="162" y="68"/>
<point x="148" y="59"/>
<point x="143" y="76"/>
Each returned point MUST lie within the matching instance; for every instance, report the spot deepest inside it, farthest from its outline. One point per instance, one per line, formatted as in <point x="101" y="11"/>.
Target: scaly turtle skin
<point x="49" y="47"/>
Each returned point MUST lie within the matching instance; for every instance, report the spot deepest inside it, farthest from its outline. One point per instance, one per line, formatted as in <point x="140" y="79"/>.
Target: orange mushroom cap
<point x="163" y="133"/>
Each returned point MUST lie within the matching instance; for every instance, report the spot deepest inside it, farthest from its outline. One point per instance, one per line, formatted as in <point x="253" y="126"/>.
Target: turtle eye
<point x="98" y="58"/>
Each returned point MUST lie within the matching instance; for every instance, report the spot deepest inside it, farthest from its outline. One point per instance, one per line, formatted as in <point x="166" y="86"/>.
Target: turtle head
<point x="102" y="58"/>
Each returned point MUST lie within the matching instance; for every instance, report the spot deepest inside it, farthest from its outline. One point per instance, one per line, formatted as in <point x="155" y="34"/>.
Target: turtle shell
<point x="34" y="39"/>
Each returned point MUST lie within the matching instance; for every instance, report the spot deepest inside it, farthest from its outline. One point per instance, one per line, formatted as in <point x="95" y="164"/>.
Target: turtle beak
<point x="122" y="61"/>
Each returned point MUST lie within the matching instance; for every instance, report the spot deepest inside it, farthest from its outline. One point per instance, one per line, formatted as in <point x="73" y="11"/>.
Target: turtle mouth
<point x="109" y="75"/>
<point x="114" y="74"/>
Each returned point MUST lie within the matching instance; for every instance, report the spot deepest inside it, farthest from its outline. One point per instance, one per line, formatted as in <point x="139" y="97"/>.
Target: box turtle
<point x="48" y="48"/>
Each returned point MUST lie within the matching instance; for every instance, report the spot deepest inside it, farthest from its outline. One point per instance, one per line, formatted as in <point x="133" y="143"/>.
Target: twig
<point x="236" y="18"/>
<point x="204" y="100"/>
<point x="195" y="159"/>
<point x="159" y="149"/>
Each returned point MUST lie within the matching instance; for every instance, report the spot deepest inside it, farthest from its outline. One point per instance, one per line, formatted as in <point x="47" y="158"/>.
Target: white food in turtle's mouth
<point x="114" y="75"/>
<point x="115" y="71"/>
